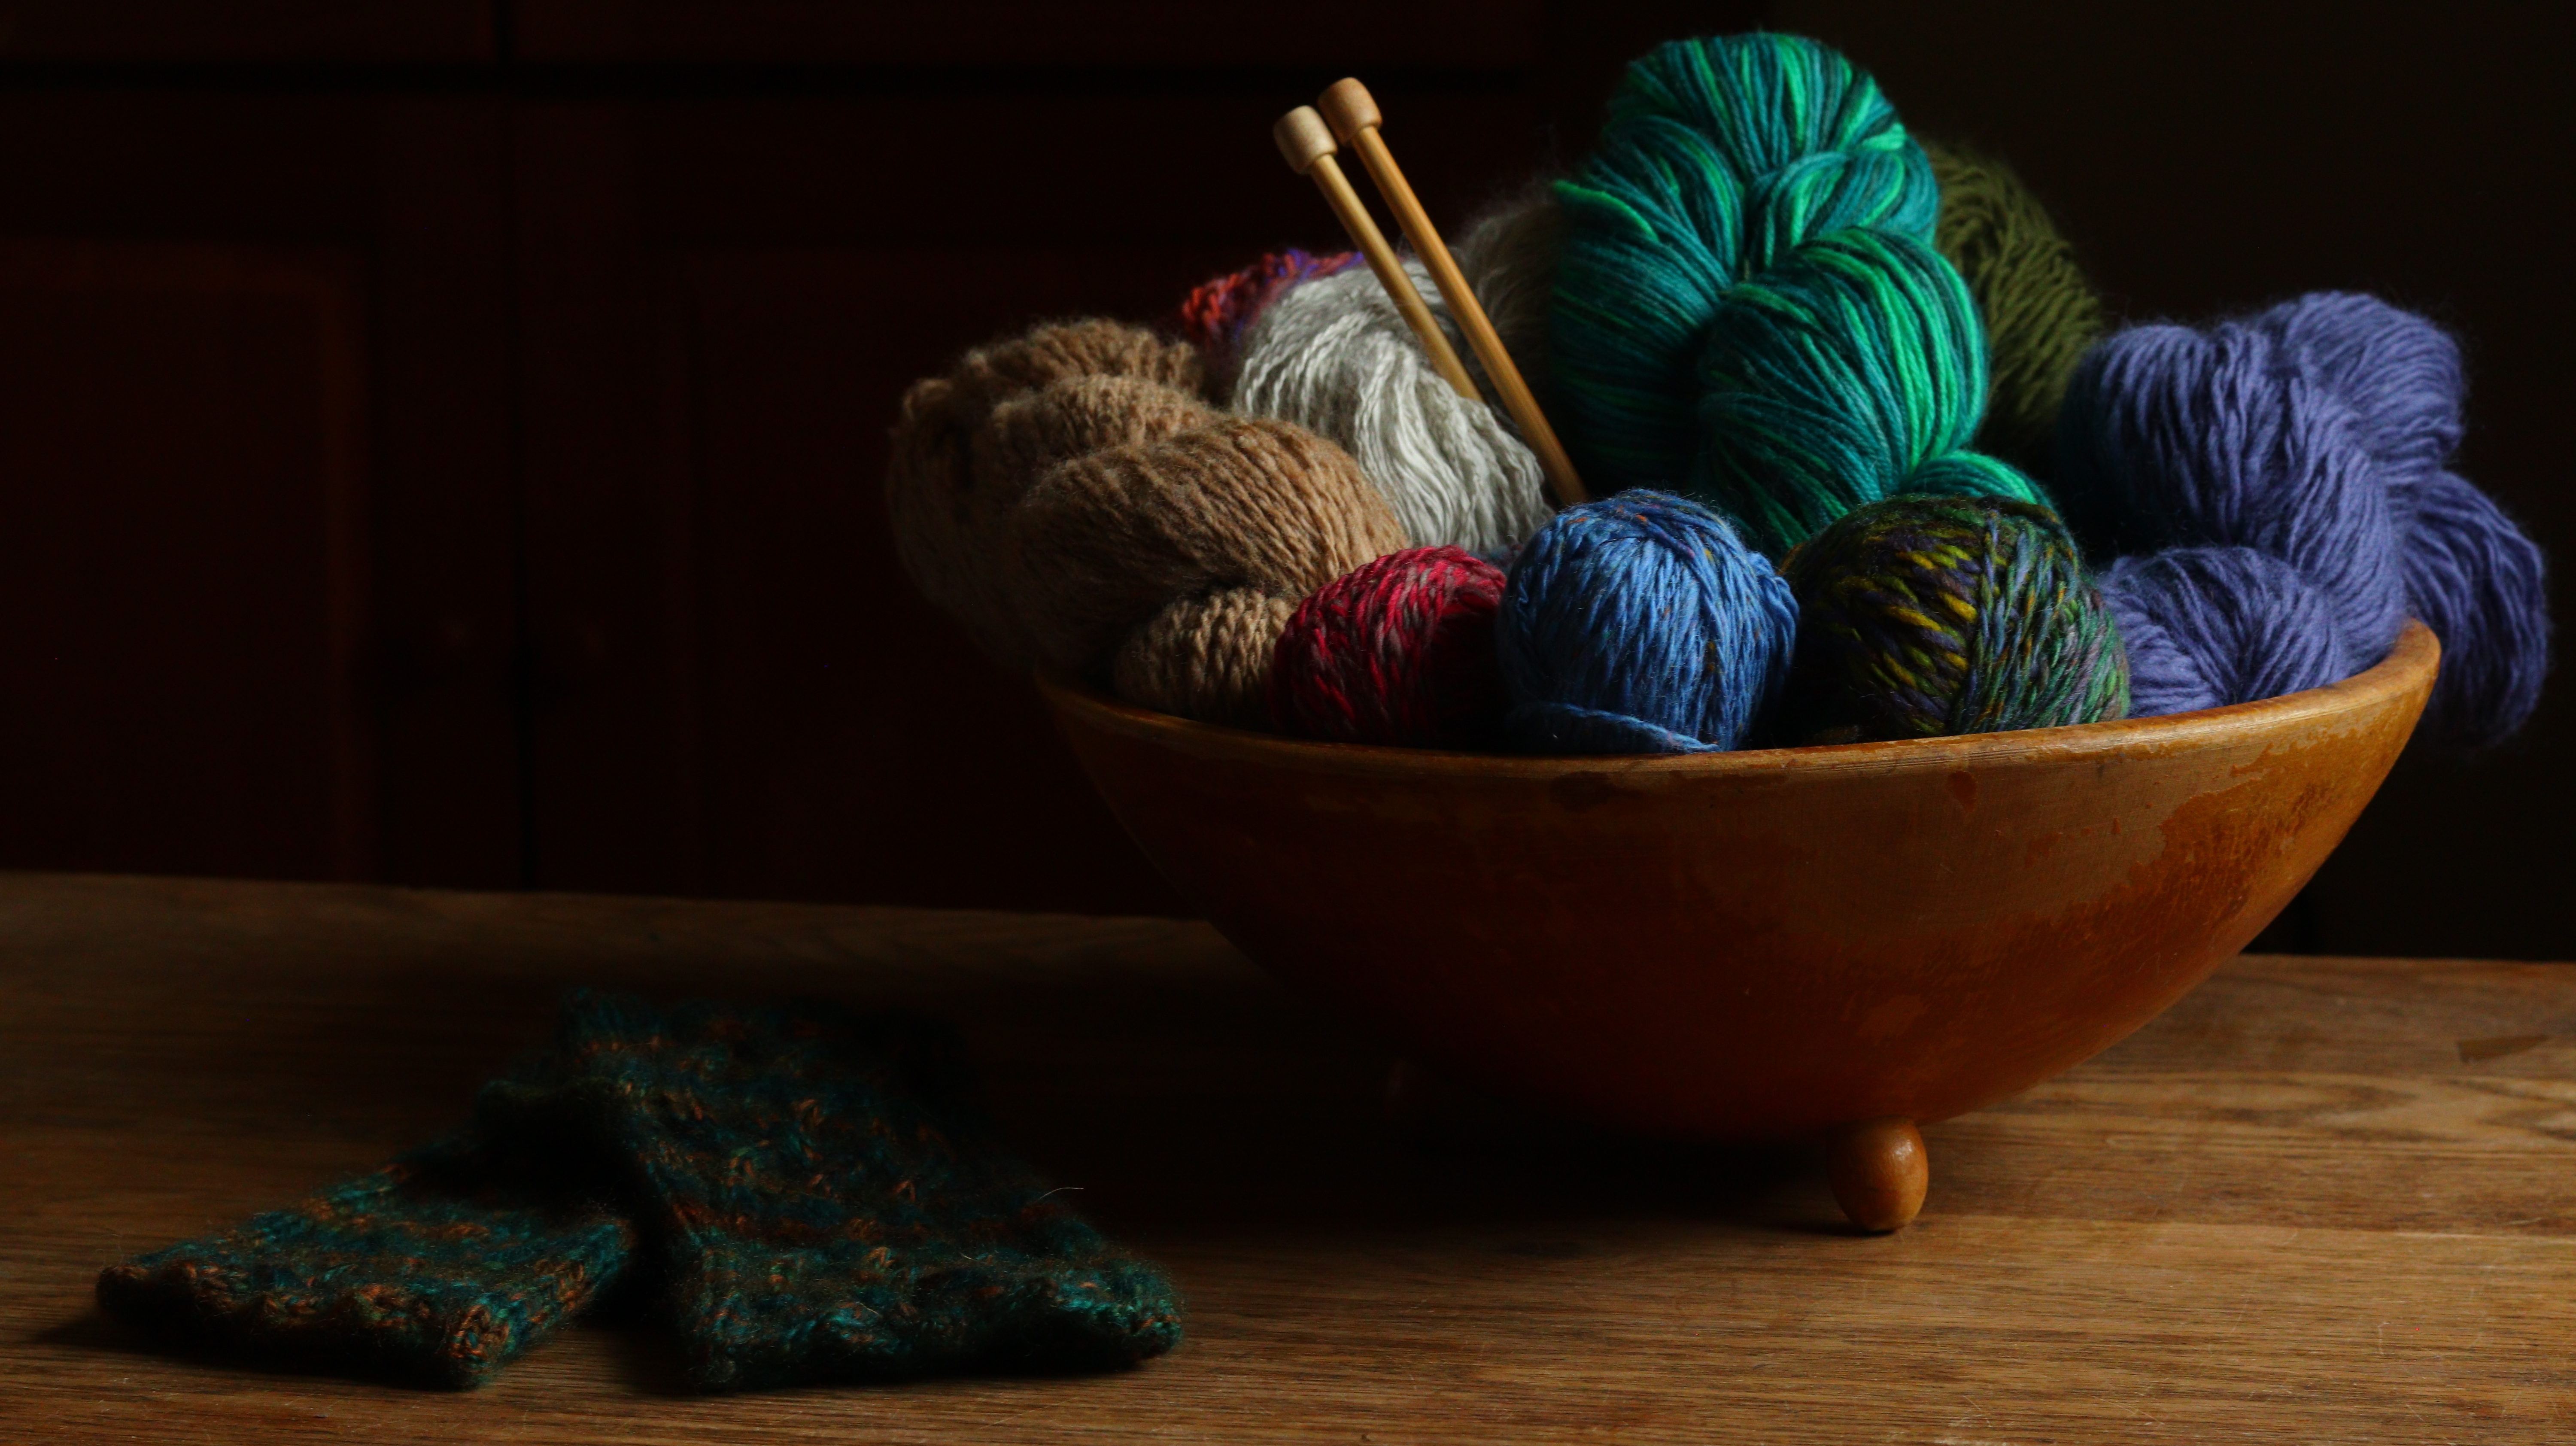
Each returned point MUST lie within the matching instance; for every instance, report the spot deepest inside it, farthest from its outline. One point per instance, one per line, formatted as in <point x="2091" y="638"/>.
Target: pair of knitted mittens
<point x="807" y="1195"/>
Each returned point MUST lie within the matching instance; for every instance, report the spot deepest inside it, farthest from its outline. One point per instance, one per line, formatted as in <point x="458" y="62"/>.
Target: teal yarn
<point x="1748" y="302"/>
<point x="1641" y="623"/>
<point x="436" y="1270"/>
<point x="1927" y="615"/>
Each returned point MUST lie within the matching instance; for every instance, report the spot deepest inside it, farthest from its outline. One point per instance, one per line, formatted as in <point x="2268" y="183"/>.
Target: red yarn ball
<point x="1400" y="651"/>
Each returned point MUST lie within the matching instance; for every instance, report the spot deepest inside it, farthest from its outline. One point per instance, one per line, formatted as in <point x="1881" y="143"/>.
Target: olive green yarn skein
<point x="2041" y="313"/>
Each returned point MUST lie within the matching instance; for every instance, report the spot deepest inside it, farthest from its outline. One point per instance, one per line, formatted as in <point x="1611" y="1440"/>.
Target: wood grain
<point x="2293" y="1208"/>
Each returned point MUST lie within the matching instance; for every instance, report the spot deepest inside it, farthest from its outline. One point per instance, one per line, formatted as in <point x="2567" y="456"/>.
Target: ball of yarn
<point x="1641" y="623"/>
<point x="2208" y="626"/>
<point x="1748" y="302"/>
<point x="1397" y="651"/>
<point x="1923" y="616"/>
<point x="1333" y="354"/>
<point x="2041" y="314"/>
<point x="1069" y="499"/>
<point x="2318" y="433"/>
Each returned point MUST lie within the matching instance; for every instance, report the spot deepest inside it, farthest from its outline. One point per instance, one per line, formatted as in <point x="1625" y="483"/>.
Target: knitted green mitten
<point x="826" y="1200"/>
<point x="430" y="1271"/>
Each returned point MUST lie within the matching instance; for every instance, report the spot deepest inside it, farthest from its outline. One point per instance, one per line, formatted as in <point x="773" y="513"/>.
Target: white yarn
<point x="1333" y="355"/>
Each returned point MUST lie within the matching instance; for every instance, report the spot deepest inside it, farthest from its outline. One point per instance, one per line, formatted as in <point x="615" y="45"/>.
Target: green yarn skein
<point x="2041" y="313"/>
<point x="1748" y="303"/>
<point x="1923" y="615"/>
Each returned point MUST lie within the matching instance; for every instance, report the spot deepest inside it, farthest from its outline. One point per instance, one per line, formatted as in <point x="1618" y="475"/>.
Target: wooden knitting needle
<point x="1355" y="119"/>
<point x="1308" y="144"/>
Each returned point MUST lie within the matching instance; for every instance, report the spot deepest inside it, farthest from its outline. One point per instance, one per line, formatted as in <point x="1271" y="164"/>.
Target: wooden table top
<point x="2321" y="1200"/>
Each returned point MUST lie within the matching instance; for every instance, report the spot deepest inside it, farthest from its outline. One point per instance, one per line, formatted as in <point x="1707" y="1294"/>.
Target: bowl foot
<point x="1879" y="1171"/>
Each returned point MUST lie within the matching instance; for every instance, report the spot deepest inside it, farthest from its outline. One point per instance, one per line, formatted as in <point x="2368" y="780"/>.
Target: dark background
<point x="439" y="439"/>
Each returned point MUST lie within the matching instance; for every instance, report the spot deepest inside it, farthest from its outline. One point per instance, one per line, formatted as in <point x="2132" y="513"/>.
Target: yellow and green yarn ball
<point x="1927" y="615"/>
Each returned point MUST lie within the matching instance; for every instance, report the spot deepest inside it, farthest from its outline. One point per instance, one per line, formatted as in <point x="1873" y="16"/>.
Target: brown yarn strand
<point x="1071" y="499"/>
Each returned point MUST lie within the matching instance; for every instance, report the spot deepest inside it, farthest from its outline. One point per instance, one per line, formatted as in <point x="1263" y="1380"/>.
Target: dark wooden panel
<point x="178" y="163"/>
<point x="446" y="502"/>
<point x="2376" y="153"/>
<point x="1029" y="32"/>
<point x="182" y="447"/>
<point x="246" y="30"/>
<point x="409" y="189"/>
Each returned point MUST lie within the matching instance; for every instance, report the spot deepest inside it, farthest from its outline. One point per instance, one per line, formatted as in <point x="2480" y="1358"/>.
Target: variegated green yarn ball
<point x="1924" y="615"/>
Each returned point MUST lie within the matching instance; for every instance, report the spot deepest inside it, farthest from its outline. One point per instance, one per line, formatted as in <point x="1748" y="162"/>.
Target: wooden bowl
<point x="1766" y="944"/>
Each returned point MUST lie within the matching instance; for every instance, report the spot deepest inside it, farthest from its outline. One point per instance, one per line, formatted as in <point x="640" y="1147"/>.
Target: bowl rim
<point x="2411" y="664"/>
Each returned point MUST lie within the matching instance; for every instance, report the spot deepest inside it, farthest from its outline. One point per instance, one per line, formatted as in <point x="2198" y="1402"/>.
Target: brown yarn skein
<point x="954" y="472"/>
<point x="1102" y="542"/>
<point x="1206" y="657"/>
<point x="1108" y="520"/>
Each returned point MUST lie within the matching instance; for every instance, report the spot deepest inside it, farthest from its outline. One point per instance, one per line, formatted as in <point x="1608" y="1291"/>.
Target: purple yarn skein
<point x="2210" y="626"/>
<point x="2316" y="433"/>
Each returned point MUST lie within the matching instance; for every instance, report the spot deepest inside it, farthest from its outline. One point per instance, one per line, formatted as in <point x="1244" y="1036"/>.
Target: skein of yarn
<point x="2209" y="626"/>
<point x="1508" y="255"/>
<point x="1077" y="510"/>
<point x="1333" y="354"/>
<point x="1398" y="651"/>
<point x="2318" y="433"/>
<point x="1920" y="616"/>
<point x="1748" y="302"/>
<point x="2041" y="313"/>
<point x="954" y="475"/>
<point x="1641" y="623"/>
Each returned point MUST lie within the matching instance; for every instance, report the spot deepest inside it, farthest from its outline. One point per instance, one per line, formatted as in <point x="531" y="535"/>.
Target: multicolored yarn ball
<point x="1078" y="508"/>
<point x="2041" y="313"/>
<point x="2208" y="626"/>
<point x="1748" y="301"/>
<point x="1399" y="651"/>
<point x="1215" y="313"/>
<point x="1641" y="623"/>
<point x="1333" y="354"/>
<point x="1924" y="616"/>
<point x="2319" y="433"/>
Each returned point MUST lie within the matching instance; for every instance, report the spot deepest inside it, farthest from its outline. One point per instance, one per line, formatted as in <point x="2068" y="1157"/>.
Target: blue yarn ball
<point x="2210" y="626"/>
<point x="1641" y="624"/>
<point x="2318" y="433"/>
<point x="1747" y="299"/>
